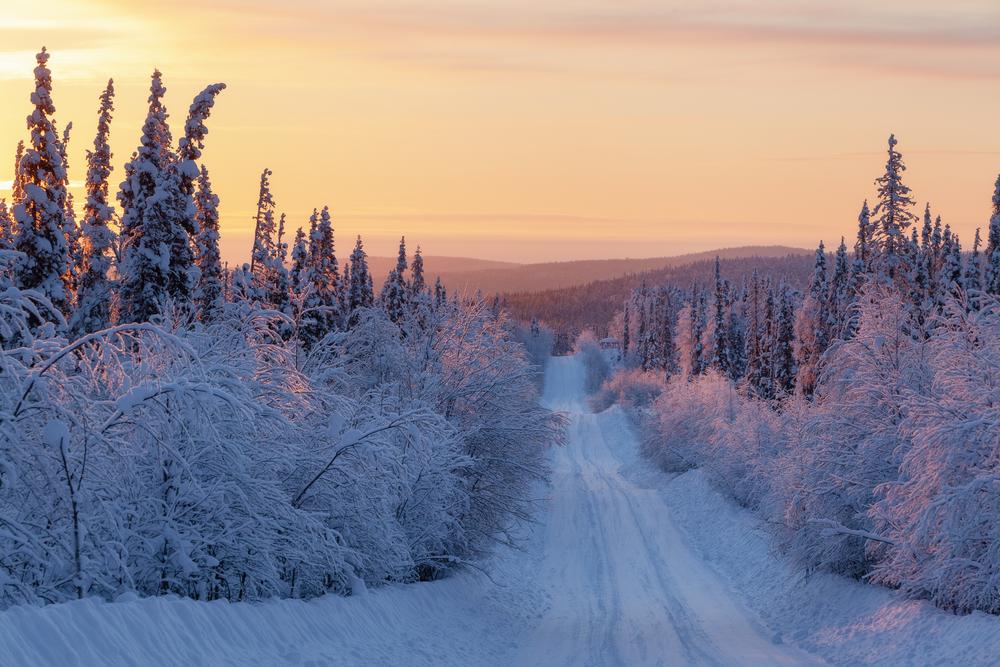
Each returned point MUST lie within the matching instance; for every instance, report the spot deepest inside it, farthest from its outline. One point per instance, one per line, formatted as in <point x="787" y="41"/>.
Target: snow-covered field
<point x="627" y="566"/>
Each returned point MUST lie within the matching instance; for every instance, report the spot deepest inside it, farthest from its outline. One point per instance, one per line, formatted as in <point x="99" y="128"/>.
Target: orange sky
<point x="530" y="131"/>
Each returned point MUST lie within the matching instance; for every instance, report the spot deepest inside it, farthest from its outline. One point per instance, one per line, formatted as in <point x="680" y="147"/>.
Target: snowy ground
<point x="627" y="566"/>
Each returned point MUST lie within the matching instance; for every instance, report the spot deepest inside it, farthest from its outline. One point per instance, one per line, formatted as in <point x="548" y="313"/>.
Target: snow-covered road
<point x="624" y="587"/>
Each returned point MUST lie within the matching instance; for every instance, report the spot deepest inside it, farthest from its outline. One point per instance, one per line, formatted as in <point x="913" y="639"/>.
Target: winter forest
<point x="776" y="457"/>
<point x="281" y="429"/>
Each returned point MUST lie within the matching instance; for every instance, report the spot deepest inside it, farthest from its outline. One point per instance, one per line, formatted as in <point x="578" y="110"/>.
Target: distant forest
<point x="593" y="305"/>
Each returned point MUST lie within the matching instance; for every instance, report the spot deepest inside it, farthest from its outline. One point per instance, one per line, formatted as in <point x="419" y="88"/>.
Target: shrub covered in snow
<point x="633" y="389"/>
<point x="221" y="462"/>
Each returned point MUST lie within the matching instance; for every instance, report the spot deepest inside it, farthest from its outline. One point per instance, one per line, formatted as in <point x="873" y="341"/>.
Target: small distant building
<point x="610" y="343"/>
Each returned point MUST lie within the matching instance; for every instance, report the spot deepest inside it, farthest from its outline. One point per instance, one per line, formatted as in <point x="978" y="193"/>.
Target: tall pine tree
<point x="40" y="215"/>
<point x="94" y="294"/>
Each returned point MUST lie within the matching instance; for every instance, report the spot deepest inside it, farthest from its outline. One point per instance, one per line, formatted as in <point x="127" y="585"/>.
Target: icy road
<point x="623" y="586"/>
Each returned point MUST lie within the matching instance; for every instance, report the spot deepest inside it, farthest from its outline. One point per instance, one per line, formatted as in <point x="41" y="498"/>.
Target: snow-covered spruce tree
<point x="17" y="184"/>
<point x="360" y="289"/>
<point x="417" y="282"/>
<point x="299" y="271"/>
<point x="281" y="295"/>
<point x="208" y="294"/>
<point x="758" y="372"/>
<point x="6" y="227"/>
<point x="321" y="305"/>
<point x="94" y="294"/>
<point x="720" y="329"/>
<point x="626" y="325"/>
<point x="992" y="277"/>
<point x="74" y="247"/>
<point x="41" y="214"/>
<point x="972" y="277"/>
<point x="152" y="221"/>
<point x="159" y="217"/>
<point x="863" y="250"/>
<point x="784" y="349"/>
<point x="893" y="217"/>
<point x="841" y="293"/>
<point x="395" y="292"/>
<point x="811" y="327"/>
<point x="190" y="146"/>
<point x="264" y="251"/>
<point x="440" y="293"/>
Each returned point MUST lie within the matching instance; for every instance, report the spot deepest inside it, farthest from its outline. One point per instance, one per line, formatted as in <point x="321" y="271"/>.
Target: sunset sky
<point x="531" y="131"/>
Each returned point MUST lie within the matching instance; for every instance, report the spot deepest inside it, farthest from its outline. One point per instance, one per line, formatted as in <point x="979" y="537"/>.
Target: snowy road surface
<point x="624" y="588"/>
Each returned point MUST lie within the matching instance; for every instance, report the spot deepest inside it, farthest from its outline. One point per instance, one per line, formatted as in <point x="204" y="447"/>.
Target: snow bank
<point x="464" y="620"/>
<point x="846" y="622"/>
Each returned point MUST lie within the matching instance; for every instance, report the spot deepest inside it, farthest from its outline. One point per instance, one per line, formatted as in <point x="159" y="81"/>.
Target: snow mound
<point x="463" y="620"/>
<point x="844" y="621"/>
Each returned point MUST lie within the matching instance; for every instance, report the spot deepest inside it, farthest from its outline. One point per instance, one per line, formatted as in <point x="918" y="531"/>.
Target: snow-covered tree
<point x="992" y="255"/>
<point x="972" y="277"/>
<point x="209" y="292"/>
<point x="395" y="291"/>
<point x="360" y="289"/>
<point x="893" y="217"/>
<point x="41" y="214"/>
<point x="264" y="251"/>
<point x="811" y="327"/>
<point x="94" y="296"/>
<point x="321" y="306"/>
<point x="17" y="184"/>
<point x="417" y="283"/>
<point x="720" y="329"/>
<point x="299" y="271"/>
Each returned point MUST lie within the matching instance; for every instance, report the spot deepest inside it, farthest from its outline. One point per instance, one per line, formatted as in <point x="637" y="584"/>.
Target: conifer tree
<point x="784" y="355"/>
<point x="417" y="283"/>
<point x="840" y="292"/>
<point x="756" y="370"/>
<point x="972" y="279"/>
<point x="893" y="218"/>
<point x="361" y="295"/>
<point x="281" y="295"/>
<point x="700" y="363"/>
<point x="720" y="330"/>
<point x="625" y="329"/>
<point x="927" y="230"/>
<point x="40" y="213"/>
<point x="440" y="293"/>
<point x="322" y="301"/>
<point x="394" y="290"/>
<point x="811" y="332"/>
<point x="6" y="227"/>
<point x="264" y="230"/>
<point x="158" y="211"/>
<point x="299" y="272"/>
<point x="992" y="257"/>
<point x="17" y="185"/>
<point x="209" y="294"/>
<point x="94" y="297"/>
<point x="951" y="269"/>
<point x="863" y="244"/>
<point x="74" y="248"/>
